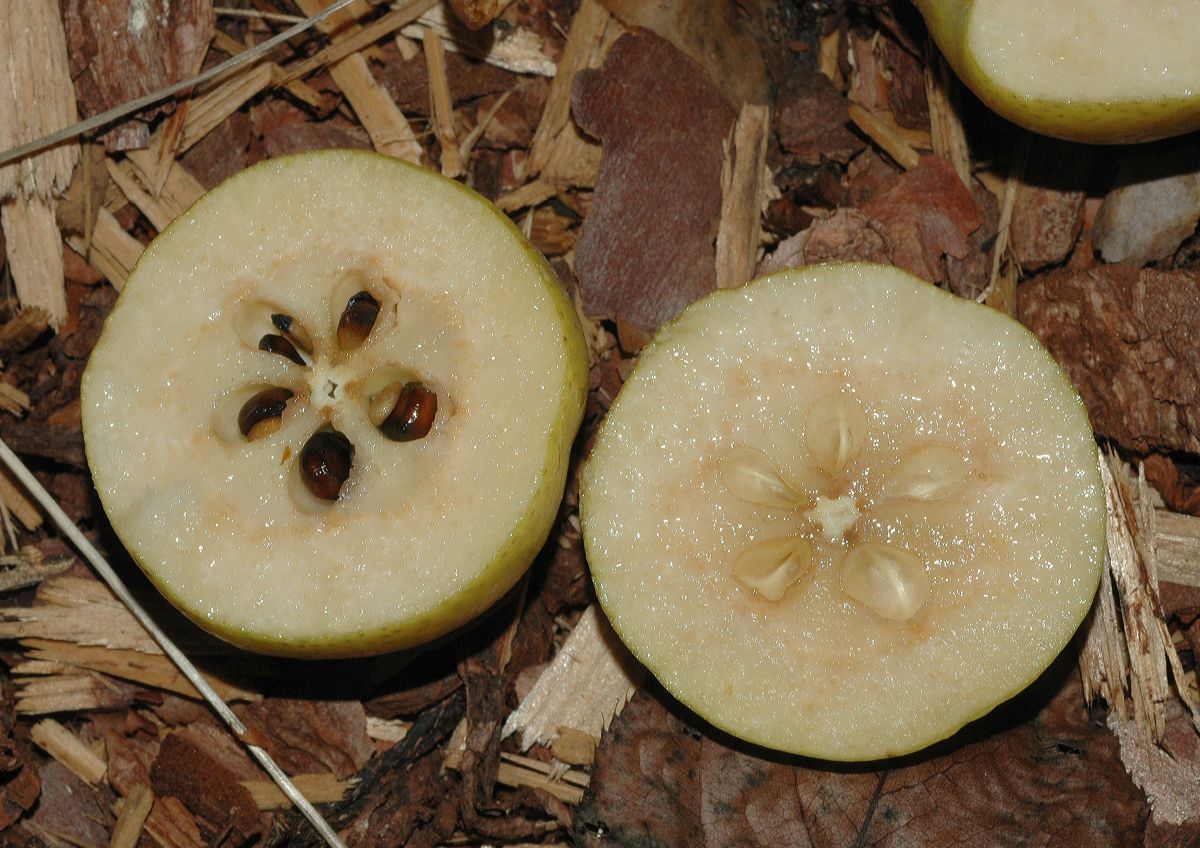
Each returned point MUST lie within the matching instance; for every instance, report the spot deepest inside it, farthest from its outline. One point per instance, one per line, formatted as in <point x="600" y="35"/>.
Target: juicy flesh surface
<point x="215" y="518"/>
<point x="1011" y="555"/>
<point x="1099" y="51"/>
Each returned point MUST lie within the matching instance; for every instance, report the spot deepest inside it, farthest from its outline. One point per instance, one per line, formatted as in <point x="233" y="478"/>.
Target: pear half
<point x="840" y="512"/>
<point x="331" y="411"/>
<point x="1106" y="71"/>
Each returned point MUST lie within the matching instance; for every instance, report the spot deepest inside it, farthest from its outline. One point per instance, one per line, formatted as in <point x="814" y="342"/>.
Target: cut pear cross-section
<point x="331" y="412"/>
<point x="1107" y="71"/>
<point x="905" y="528"/>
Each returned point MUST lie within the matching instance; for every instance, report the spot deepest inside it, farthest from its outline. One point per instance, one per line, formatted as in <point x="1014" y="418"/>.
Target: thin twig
<point x="98" y="562"/>
<point x="140" y="103"/>
<point x="255" y="13"/>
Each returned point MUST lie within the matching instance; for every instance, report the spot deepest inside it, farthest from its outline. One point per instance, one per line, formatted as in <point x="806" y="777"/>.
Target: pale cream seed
<point x="928" y="473"/>
<point x="750" y="474"/>
<point x="835" y="431"/>
<point x="889" y="581"/>
<point x="770" y="567"/>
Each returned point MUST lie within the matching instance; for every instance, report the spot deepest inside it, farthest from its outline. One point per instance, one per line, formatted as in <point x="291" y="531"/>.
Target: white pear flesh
<point x="957" y="594"/>
<point x="425" y="534"/>
<point x="1106" y="71"/>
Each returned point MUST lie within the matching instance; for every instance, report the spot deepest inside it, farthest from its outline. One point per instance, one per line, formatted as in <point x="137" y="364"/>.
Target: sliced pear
<point x="1106" y="71"/>
<point x="331" y="412"/>
<point x="840" y="512"/>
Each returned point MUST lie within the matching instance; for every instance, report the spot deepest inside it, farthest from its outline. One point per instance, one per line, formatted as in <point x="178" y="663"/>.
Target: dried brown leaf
<point x="1053" y="778"/>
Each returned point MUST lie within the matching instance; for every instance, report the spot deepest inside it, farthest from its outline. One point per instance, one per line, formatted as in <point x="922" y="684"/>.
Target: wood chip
<point x="356" y="40"/>
<point x="113" y="252"/>
<point x="321" y="788"/>
<point x="743" y="193"/>
<point x="28" y="568"/>
<point x="530" y="194"/>
<point x="34" y="246"/>
<point x="131" y="816"/>
<point x="587" y="30"/>
<point x="380" y="116"/>
<point x="443" y="104"/>
<point x="156" y="671"/>
<point x="945" y="116"/>
<point x="590" y="679"/>
<point x="69" y="750"/>
<point x="1141" y="634"/>
<point x="512" y="48"/>
<point x="886" y="136"/>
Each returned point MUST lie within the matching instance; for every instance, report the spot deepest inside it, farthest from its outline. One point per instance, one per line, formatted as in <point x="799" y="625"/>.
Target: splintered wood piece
<point x="34" y="245"/>
<point x="68" y="749"/>
<point x="13" y="399"/>
<point x="79" y="610"/>
<point x="349" y="42"/>
<point x="321" y="788"/>
<point x="945" y="117"/>
<point x="156" y="212"/>
<point x="530" y="194"/>
<point x="1177" y="544"/>
<point x="1141" y="634"/>
<point x="171" y="825"/>
<point x="1001" y="290"/>
<point x="567" y="785"/>
<point x="155" y="671"/>
<point x="131" y="816"/>
<point x="514" y="49"/>
<point x="206" y="112"/>
<point x="380" y="116"/>
<point x="113" y="252"/>
<point x="887" y="137"/>
<point x="36" y="97"/>
<point x="587" y="29"/>
<point x="387" y="730"/>
<point x="588" y="683"/>
<point x="71" y="693"/>
<point x="743" y="188"/>
<point x="27" y="568"/>
<point x="443" y="104"/>
<point x="176" y="188"/>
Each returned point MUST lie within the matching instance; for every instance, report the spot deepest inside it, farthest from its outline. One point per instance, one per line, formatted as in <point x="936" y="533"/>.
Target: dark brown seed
<point x="272" y="343"/>
<point x="412" y="415"/>
<point x="262" y="414"/>
<point x="325" y="462"/>
<point x="291" y="328"/>
<point x="359" y="316"/>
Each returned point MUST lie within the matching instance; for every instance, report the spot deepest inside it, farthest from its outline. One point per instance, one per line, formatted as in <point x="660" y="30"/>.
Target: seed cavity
<point x="325" y="462"/>
<point x="889" y="581"/>
<point x="273" y="343"/>
<point x="262" y="414"/>
<point x="749" y="474"/>
<point x="927" y="474"/>
<point x="772" y="566"/>
<point x="835" y="431"/>
<point x="358" y="318"/>
<point x="404" y="412"/>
